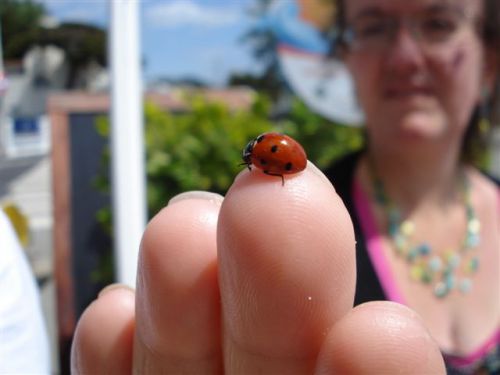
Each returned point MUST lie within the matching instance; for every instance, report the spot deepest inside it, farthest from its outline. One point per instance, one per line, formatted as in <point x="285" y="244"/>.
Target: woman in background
<point x="427" y="221"/>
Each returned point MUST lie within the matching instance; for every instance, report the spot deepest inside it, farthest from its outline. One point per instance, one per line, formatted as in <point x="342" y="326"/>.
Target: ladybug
<point x="275" y="154"/>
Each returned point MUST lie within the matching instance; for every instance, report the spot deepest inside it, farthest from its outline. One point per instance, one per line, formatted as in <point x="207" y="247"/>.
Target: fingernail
<point x="111" y="287"/>
<point x="197" y="194"/>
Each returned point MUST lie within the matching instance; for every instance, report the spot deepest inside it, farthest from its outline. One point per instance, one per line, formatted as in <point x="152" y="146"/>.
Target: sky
<point x="179" y="38"/>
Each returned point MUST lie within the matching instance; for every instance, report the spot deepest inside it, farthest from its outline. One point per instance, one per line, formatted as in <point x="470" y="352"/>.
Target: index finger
<point x="286" y="269"/>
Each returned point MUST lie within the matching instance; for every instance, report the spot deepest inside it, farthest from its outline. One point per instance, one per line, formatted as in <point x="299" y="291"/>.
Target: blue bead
<point x="450" y="281"/>
<point x="474" y="264"/>
<point x="424" y="249"/>
<point x="473" y="240"/>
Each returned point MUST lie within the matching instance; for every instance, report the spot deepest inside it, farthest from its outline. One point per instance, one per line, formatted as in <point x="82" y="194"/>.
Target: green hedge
<point x="200" y="149"/>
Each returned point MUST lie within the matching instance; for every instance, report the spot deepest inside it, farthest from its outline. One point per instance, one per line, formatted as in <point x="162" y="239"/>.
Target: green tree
<point x="263" y="45"/>
<point x="20" y="23"/>
<point x="81" y="43"/>
<point x="200" y="149"/>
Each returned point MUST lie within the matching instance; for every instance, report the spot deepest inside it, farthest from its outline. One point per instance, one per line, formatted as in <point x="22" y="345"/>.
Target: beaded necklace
<point x="451" y="270"/>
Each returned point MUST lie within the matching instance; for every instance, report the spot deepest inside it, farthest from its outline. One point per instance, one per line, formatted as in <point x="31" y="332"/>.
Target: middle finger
<point x="286" y="270"/>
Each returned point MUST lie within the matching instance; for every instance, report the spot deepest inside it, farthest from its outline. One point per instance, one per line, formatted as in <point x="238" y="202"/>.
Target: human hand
<point x="262" y="284"/>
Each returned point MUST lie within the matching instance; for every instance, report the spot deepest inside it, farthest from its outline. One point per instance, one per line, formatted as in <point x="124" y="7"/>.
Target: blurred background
<point x="215" y="73"/>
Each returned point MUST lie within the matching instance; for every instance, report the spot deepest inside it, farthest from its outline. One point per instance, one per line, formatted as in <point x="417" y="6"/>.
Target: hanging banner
<point x="322" y="81"/>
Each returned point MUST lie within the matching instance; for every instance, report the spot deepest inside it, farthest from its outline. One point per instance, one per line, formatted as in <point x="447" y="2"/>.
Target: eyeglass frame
<point x="346" y="36"/>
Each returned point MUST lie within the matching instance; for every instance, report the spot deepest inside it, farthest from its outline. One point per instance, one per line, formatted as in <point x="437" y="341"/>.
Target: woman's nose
<point x="405" y="52"/>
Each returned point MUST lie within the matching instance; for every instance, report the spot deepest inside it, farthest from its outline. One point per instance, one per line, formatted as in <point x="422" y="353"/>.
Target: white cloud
<point x="185" y="12"/>
<point x="85" y="15"/>
<point x="85" y="11"/>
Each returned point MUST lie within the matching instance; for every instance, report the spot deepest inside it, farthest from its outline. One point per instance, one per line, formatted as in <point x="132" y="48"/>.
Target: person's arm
<point x="24" y="346"/>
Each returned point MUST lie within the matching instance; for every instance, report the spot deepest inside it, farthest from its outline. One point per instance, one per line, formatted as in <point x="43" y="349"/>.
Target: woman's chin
<point x="420" y="127"/>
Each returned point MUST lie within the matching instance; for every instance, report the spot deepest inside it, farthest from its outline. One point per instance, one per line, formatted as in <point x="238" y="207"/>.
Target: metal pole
<point x="127" y="138"/>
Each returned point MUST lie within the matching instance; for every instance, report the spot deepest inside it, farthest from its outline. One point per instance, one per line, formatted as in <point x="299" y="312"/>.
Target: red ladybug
<point x="275" y="154"/>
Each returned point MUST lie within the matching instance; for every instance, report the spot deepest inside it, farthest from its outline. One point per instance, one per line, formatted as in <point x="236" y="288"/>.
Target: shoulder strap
<point x="341" y="174"/>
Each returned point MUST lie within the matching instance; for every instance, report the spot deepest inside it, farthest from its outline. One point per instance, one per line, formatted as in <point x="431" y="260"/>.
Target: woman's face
<point x="418" y="66"/>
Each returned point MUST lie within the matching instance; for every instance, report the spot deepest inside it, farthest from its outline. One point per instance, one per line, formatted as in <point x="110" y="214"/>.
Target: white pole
<point x="1" y="51"/>
<point x="3" y="78"/>
<point x="127" y="139"/>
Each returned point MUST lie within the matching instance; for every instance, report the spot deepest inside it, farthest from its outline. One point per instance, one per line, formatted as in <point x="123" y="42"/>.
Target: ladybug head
<point x="247" y="153"/>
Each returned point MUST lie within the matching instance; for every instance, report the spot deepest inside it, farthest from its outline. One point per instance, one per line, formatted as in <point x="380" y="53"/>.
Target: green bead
<point x="393" y="227"/>
<point x="407" y="227"/>
<point x="473" y="265"/>
<point x="400" y="243"/>
<point x="416" y="272"/>
<point x="412" y="254"/>
<point x="454" y="261"/>
<point x="450" y="281"/>
<point x="440" y="290"/>
<point x="435" y="264"/>
<point x="427" y="277"/>
<point x="465" y="285"/>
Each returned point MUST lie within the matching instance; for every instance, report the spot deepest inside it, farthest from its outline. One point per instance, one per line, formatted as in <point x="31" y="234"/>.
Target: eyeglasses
<point x="374" y="31"/>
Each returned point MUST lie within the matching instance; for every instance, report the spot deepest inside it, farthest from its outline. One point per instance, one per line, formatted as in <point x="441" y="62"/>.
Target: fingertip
<point x="177" y="277"/>
<point x="312" y="168"/>
<point x="182" y="234"/>
<point x="388" y="338"/>
<point x="111" y="287"/>
<point x="312" y="174"/>
<point x="284" y="248"/>
<point x="103" y="341"/>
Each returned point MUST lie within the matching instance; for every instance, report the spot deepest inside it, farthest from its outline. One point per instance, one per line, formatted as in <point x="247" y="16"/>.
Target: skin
<point x="418" y="101"/>
<point x="263" y="283"/>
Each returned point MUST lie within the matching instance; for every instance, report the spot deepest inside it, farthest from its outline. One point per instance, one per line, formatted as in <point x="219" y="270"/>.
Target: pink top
<point x="390" y="288"/>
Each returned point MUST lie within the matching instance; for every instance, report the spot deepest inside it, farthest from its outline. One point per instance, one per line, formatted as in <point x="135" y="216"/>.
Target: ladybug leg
<point x="247" y="164"/>
<point x="277" y="175"/>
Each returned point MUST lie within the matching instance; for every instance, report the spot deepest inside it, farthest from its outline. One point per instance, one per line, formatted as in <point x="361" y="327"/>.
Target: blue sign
<point x="26" y="126"/>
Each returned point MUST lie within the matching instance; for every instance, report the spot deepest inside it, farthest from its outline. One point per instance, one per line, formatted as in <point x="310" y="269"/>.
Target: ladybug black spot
<point x="274" y="148"/>
<point x="263" y="161"/>
<point x="288" y="166"/>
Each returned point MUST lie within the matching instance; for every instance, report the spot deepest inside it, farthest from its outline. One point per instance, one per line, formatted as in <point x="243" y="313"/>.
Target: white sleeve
<point x="24" y="346"/>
